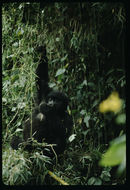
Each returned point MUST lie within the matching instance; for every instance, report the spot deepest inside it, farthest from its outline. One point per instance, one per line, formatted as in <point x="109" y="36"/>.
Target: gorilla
<point x="50" y="120"/>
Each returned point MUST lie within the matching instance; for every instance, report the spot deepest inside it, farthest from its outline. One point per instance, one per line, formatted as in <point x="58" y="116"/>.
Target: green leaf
<point x="95" y="103"/>
<point x="16" y="44"/>
<point x="57" y="39"/>
<point x="119" y="140"/>
<point x="18" y="124"/>
<point x="18" y="130"/>
<point x="52" y="85"/>
<point x="121" y="167"/>
<point x="83" y="112"/>
<point x="60" y="72"/>
<point x="84" y="82"/>
<point x="115" y="154"/>
<point x="21" y="105"/>
<point x="105" y="175"/>
<point x="94" y="181"/>
<point x="121" y="119"/>
<point x="63" y="58"/>
<point x="4" y="100"/>
<point x="72" y="137"/>
<point x="13" y="109"/>
<point x="86" y="120"/>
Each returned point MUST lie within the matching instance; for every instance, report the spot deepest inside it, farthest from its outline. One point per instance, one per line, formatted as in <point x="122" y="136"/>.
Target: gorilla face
<point x="56" y="102"/>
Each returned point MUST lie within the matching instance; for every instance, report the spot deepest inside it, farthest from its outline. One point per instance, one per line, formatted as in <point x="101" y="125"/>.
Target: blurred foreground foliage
<point x="86" y="52"/>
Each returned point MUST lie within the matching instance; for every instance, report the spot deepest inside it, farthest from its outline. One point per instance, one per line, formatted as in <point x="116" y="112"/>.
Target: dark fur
<point x="50" y="120"/>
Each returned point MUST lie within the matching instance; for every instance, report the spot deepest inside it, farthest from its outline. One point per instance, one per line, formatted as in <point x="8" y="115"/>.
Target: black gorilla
<point x="50" y="120"/>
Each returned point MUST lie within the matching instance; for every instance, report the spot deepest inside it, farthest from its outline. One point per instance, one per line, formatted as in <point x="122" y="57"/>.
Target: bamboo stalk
<point x="57" y="178"/>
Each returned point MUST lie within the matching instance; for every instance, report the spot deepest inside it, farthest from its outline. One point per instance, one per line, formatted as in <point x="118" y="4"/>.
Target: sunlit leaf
<point x="51" y="85"/>
<point x="86" y="120"/>
<point x="57" y="39"/>
<point x="21" y="105"/>
<point x="18" y="130"/>
<point x="83" y="112"/>
<point x="84" y="82"/>
<point x="14" y="108"/>
<point x="113" y="103"/>
<point x="115" y="154"/>
<point x="60" y="72"/>
<point x="72" y="137"/>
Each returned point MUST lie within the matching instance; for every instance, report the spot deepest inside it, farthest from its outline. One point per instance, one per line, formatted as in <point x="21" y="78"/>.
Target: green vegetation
<point x="86" y="52"/>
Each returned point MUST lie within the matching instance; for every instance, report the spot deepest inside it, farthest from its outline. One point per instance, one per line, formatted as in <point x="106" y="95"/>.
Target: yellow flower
<point x="112" y="103"/>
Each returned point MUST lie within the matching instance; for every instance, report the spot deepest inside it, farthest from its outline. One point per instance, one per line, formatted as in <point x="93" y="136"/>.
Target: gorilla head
<point x="55" y="102"/>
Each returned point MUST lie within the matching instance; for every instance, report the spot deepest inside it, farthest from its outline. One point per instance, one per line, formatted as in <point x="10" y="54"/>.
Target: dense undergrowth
<point x="86" y="53"/>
